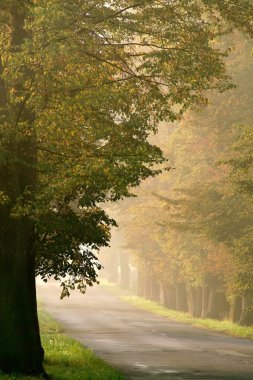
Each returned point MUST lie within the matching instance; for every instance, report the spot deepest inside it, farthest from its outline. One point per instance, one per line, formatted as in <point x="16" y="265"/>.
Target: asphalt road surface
<point x="143" y="345"/>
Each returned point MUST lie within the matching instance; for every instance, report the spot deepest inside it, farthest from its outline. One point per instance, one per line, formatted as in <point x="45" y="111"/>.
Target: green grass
<point x="67" y="359"/>
<point x="225" y="326"/>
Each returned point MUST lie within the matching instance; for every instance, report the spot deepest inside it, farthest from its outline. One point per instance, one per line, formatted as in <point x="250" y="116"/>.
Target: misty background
<point x="186" y="239"/>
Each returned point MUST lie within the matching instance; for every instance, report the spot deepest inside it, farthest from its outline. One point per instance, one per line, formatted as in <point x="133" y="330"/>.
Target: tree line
<point x="189" y="232"/>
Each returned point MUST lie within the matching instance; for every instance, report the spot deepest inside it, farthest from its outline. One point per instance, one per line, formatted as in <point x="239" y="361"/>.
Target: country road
<point x="146" y="346"/>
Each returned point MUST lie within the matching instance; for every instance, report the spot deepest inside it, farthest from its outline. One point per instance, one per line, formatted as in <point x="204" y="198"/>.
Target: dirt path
<point x="146" y="346"/>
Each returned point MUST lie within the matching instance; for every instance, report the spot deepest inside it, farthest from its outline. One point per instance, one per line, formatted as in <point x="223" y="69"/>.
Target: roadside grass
<point x="67" y="359"/>
<point x="225" y="326"/>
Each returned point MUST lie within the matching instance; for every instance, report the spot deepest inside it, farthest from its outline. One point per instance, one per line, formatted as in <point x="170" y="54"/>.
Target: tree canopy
<point x="85" y="86"/>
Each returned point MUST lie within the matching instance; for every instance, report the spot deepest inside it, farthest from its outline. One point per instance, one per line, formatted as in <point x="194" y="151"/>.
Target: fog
<point x="185" y="240"/>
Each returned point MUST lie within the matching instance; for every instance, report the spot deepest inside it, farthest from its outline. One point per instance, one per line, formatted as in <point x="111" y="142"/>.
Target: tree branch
<point x="123" y="10"/>
<point x="3" y="92"/>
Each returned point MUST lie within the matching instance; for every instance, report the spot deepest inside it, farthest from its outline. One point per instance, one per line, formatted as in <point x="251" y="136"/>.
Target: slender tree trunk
<point x="246" y="318"/>
<point x="218" y="307"/>
<point x="236" y="309"/>
<point x="169" y="296"/>
<point x="3" y="93"/>
<point x="205" y="298"/>
<point x="191" y="299"/>
<point x="198" y="306"/>
<point x="140" y="283"/>
<point x="124" y="270"/>
<point x="155" y="289"/>
<point x="147" y="286"/>
<point x="113" y="267"/>
<point x="211" y="310"/>
<point x="133" y="280"/>
<point x="181" y="301"/>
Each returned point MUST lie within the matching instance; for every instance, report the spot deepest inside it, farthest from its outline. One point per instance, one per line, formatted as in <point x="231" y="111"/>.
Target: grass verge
<point x="67" y="359"/>
<point x="225" y="326"/>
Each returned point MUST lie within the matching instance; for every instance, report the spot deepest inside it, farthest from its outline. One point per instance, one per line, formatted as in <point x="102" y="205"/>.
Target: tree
<point x="82" y="86"/>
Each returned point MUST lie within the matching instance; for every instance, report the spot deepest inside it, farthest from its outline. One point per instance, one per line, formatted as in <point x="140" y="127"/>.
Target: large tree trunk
<point x="20" y="346"/>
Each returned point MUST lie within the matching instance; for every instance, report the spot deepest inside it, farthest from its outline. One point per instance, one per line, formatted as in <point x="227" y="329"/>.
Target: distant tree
<point x="82" y="86"/>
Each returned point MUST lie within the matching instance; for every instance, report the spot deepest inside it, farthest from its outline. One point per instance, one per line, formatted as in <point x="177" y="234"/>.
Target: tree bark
<point x="20" y="345"/>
